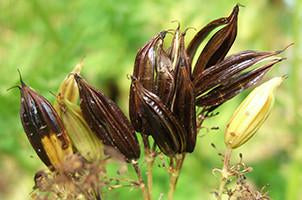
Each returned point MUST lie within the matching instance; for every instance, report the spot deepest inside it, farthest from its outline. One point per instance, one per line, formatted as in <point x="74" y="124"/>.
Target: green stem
<point x="224" y="173"/>
<point x="142" y="185"/>
<point x="175" y="172"/>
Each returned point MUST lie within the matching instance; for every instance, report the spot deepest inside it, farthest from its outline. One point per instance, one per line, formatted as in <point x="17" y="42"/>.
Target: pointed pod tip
<point x="178" y="24"/>
<point x="20" y="78"/>
<point x="285" y="48"/>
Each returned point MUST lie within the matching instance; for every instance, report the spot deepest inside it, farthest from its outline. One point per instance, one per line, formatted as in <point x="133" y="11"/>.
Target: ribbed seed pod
<point x="219" y="45"/>
<point x="228" y="68"/>
<point x="165" y="129"/>
<point x="164" y="80"/>
<point x="251" y="114"/>
<point x="82" y="137"/>
<point x="44" y="128"/>
<point x="234" y="86"/>
<point x="84" y="140"/>
<point x="68" y="88"/>
<point x="106" y="119"/>
<point x="144" y="68"/>
<point x="184" y="100"/>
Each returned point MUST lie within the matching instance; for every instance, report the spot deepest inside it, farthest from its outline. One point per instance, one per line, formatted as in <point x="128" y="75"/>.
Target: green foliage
<point x="45" y="41"/>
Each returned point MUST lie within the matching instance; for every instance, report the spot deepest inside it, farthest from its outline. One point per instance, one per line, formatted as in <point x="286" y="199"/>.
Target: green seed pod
<point x="251" y="114"/>
<point x="83" y="139"/>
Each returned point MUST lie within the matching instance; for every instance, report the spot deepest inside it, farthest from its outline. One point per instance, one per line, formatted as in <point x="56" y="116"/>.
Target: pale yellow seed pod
<point x="69" y="88"/>
<point x="83" y="139"/>
<point x="251" y="114"/>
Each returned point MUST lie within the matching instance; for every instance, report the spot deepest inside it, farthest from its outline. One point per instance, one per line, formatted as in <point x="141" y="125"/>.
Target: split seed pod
<point x="251" y="113"/>
<point x="107" y="120"/>
<point x="44" y="128"/>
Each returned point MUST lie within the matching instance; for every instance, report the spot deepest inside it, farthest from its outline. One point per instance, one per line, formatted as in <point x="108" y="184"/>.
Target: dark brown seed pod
<point x="184" y="106"/>
<point x="144" y="68"/>
<point x="174" y="49"/>
<point x="165" y="129"/>
<point x="44" y="128"/>
<point x="184" y="100"/>
<point x="107" y="120"/>
<point x="202" y="34"/>
<point x="164" y="80"/>
<point x="227" y="68"/>
<point x="234" y="86"/>
<point x="219" y="45"/>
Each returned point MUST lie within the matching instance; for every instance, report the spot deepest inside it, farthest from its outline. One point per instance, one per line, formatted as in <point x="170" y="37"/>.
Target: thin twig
<point x="224" y="173"/>
<point x="145" y="192"/>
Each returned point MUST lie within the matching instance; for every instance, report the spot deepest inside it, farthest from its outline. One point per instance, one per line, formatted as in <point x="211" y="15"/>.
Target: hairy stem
<point x="224" y="173"/>
<point x="174" y="174"/>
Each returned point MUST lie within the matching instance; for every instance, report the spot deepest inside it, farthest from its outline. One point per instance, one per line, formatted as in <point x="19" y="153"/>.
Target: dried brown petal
<point x="219" y="45"/>
<point x="107" y="120"/>
<point x="165" y="129"/>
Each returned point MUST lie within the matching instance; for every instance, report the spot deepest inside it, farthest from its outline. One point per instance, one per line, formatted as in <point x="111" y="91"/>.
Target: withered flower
<point x="44" y="128"/>
<point x="107" y="120"/>
<point x="165" y="88"/>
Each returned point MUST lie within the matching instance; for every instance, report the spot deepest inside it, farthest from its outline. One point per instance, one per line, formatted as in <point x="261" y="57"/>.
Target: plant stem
<point x="150" y="162"/>
<point x="145" y="192"/>
<point x="175" y="174"/>
<point x="149" y="157"/>
<point x="224" y="172"/>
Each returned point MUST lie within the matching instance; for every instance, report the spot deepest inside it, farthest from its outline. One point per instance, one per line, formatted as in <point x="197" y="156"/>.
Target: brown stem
<point x="224" y="173"/>
<point x="174" y="174"/>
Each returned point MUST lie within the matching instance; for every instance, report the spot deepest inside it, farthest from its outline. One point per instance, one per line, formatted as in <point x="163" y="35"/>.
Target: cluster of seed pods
<point x="166" y="87"/>
<point x="49" y="137"/>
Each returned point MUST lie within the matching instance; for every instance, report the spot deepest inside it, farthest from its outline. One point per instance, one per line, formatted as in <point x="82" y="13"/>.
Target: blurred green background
<point x="45" y="40"/>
